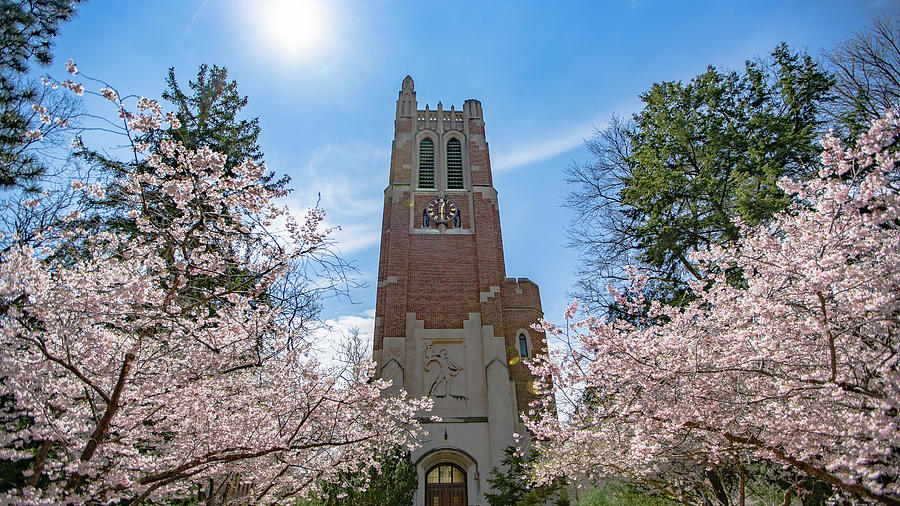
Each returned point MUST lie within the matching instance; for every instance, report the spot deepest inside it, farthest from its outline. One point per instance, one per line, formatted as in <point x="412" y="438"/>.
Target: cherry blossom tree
<point x="788" y="356"/>
<point x="131" y="368"/>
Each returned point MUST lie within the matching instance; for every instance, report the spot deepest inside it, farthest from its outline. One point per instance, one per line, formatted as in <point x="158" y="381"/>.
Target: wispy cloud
<point x="349" y="179"/>
<point x="542" y="147"/>
<point x="539" y="147"/>
<point x="355" y="237"/>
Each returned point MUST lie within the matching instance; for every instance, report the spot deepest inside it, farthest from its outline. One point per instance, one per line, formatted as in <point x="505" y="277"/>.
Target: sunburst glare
<point x="290" y="31"/>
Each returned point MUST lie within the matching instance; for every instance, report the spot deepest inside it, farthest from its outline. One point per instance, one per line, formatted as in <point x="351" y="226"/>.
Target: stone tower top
<point x="428" y="118"/>
<point x="440" y="125"/>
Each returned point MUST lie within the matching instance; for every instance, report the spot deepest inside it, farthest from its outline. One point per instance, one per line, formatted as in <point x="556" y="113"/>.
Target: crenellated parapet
<point x="440" y="120"/>
<point x="522" y="293"/>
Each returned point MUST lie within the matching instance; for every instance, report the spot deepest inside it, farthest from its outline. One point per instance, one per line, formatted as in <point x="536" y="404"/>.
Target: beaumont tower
<point x="449" y="324"/>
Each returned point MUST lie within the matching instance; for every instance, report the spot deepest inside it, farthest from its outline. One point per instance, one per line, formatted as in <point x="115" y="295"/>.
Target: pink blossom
<point x="799" y="367"/>
<point x="109" y="94"/>
<point x="77" y="88"/>
<point x="96" y="191"/>
<point x="173" y="120"/>
<point x="571" y="310"/>
<point x="146" y="378"/>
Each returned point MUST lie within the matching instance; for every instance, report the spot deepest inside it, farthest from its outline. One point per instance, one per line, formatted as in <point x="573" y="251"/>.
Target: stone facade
<point x="448" y="322"/>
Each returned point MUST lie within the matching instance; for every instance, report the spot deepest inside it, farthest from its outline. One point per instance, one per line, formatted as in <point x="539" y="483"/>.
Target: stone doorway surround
<point x="454" y="457"/>
<point x="445" y="485"/>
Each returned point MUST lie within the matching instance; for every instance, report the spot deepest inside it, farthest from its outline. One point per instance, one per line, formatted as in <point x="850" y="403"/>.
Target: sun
<point x="292" y="31"/>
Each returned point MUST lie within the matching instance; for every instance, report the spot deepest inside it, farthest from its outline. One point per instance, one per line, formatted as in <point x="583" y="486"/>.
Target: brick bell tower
<point x="448" y="322"/>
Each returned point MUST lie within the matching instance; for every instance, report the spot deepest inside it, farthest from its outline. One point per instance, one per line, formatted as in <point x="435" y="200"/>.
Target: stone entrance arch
<point x="447" y="477"/>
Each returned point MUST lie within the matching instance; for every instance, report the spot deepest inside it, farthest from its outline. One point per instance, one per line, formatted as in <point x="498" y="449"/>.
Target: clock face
<point x="442" y="210"/>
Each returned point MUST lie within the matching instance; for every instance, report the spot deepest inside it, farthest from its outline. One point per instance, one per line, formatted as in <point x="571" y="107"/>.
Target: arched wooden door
<point x="445" y="485"/>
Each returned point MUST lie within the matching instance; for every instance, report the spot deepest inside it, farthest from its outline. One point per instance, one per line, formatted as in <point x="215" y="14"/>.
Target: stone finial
<point x="408" y="85"/>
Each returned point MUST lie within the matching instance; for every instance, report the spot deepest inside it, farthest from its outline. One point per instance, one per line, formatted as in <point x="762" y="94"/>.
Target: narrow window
<point x="426" y="163"/>
<point x="454" y="164"/>
<point x="523" y="346"/>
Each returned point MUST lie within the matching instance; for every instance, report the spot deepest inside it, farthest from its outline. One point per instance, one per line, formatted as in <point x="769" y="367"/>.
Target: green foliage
<point x="514" y="488"/>
<point x="27" y="29"/>
<point x="699" y="155"/>
<point x="622" y="496"/>
<point x="763" y="483"/>
<point x="208" y="113"/>
<point x="392" y="484"/>
<point x="209" y="116"/>
<point x="714" y="149"/>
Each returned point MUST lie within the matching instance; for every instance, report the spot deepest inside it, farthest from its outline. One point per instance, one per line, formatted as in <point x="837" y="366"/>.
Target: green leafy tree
<point x="392" y="482"/>
<point x="514" y="488"/>
<point x="209" y="114"/>
<point x="623" y="496"/>
<point x="27" y="29"/>
<point x="697" y="156"/>
<point x="674" y="178"/>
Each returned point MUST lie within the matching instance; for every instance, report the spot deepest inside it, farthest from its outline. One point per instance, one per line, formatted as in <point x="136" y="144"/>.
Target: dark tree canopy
<point x="698" y="155"/>
<point x="393" y="484"/>
<point x="208" y="111"/>
<point x="27" y="29"/>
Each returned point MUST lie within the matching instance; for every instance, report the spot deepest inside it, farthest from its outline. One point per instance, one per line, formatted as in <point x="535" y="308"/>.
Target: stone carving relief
<point x="444" y="372"/>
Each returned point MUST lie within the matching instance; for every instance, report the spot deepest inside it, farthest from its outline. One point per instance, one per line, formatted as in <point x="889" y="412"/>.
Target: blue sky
<point x="323" y="76"/>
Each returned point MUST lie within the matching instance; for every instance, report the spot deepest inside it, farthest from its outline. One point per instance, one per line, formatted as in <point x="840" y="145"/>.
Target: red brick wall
<point x="520" y="311"/>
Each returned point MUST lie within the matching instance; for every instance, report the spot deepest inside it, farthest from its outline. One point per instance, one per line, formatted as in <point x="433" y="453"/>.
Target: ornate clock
<point x="442" y="210"/>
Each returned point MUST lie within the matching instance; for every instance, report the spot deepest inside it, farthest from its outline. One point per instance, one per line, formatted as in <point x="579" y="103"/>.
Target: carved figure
<point x="445" y="369"/>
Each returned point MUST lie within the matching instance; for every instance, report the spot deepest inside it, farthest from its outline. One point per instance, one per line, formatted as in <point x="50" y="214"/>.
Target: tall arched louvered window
<point x="454" y="164"/>
<point x="426" y="163"/>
